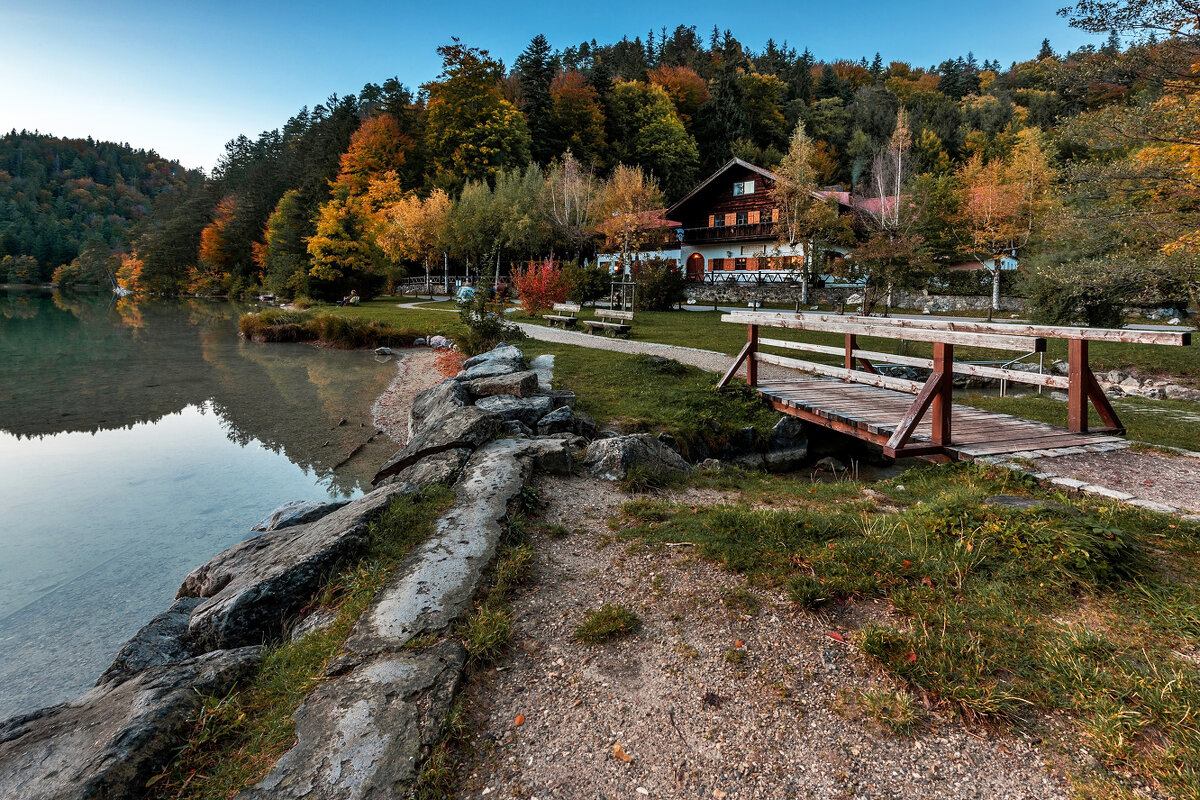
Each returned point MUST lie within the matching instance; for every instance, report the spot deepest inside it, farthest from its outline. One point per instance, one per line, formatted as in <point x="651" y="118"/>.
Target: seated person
<point x="351" y="299"/>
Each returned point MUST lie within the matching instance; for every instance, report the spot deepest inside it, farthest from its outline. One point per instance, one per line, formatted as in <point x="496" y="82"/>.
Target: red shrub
<point x="540" y="286"/>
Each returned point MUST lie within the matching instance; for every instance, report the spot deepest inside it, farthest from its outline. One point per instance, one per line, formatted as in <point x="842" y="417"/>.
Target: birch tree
<point x="804" y="216"/>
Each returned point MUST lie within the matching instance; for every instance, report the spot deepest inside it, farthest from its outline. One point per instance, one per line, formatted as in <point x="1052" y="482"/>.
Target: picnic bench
<point x="564" y="315"/>
<point x="604" y="323"/>
<point x="856" y="399"/>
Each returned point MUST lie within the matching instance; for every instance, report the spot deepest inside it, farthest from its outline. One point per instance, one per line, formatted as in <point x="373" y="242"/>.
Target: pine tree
<point x="535" y="71"/>
<point x="1046" y="52"/>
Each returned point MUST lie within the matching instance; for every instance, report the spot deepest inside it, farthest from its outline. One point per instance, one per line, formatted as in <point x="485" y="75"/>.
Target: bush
<point x="486" y="326"/>
<point x="588" y="284"/>
<point x="1092" y="293"/>
<point x="540" y="286"/>
<point x="660" y="284"/>
<point x="346" y="333"/>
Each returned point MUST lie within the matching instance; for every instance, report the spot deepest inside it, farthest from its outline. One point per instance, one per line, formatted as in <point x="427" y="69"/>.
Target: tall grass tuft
<point x="344" y="333"/>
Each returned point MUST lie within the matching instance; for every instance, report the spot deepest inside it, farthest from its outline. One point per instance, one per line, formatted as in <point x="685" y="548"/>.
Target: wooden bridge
<point x="856" y="399"/>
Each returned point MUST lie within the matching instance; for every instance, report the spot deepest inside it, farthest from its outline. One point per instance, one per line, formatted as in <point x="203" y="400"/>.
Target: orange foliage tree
<point x="215" y="258"/>
<point x="540" y="285"/>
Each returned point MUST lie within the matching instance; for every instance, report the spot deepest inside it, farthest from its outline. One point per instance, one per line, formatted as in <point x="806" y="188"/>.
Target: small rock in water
<point x="831" y="464"/>
<point x="419" y="341"/>
<point x="384" y="351"/>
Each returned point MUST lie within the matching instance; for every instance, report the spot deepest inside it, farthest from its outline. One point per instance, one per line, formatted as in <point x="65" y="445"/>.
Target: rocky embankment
<point x="366" y="730"/>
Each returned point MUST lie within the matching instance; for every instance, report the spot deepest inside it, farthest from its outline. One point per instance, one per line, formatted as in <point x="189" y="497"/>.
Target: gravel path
<point x="711" y="699"/>
<point x="1149" y="475"/>
<point x="415" y="372"/>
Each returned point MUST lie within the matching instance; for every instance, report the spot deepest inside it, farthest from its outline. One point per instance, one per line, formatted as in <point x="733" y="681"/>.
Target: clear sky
<point x="185" y="76"/>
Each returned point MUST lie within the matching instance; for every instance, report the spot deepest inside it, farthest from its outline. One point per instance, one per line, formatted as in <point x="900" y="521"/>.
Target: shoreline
<point x="416" y="371"/>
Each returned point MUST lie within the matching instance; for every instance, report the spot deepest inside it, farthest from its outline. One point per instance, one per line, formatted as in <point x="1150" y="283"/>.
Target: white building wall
<point x="608" y="261"/>
<point x="752" y="249"/>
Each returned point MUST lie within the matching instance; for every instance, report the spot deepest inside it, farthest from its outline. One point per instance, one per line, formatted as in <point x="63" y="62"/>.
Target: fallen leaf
<point x="620" y="754"/>
<point x="928" y="582"/>
<point x="717" y="793"/>
<point x="739" y="643"/>
<point x="911" y="657"/>
<point x="906" y="563"/>
<point x="520" y="720"/>
<point x="837" y="637"/>
<point x="970" y="547"/>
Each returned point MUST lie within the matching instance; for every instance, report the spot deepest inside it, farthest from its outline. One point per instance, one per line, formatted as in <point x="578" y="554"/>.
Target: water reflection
<point x="137" y="439"/>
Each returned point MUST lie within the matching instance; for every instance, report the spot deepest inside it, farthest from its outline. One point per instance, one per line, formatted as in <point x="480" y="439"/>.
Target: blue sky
<point x="185" y="77"/>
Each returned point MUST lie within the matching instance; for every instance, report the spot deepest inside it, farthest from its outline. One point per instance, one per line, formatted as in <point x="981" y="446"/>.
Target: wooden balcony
<point x="729" y="233"/>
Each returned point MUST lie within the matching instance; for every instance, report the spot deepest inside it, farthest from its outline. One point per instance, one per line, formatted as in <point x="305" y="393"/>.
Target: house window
<point x="743" y="187"/>
<point x="739" y="263"/>
<point x="719" y="221"/>
<point x="741" y="218"/>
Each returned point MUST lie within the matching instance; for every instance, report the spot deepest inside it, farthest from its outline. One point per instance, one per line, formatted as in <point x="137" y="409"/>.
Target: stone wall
<point x="739" y="293"/>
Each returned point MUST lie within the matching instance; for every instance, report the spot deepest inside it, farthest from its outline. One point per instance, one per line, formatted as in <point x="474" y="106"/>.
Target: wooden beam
<point x="1077" y="396"/>
<point x="865" y="378"/>
<point x="851" y="346"/>
<point x="940" y="409"/>
<point x="912" y="417"/>
<point x="1124" y="335"/>
<point x="868" y="327"/>
<point x="752" y="365"/>
<point x="737" y="362"/>
<point x="1100" y="401"/>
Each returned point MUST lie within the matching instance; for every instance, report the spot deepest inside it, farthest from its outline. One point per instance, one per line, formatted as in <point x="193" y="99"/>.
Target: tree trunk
<point x="996" y="285"/>
<point x="446" y="266"/>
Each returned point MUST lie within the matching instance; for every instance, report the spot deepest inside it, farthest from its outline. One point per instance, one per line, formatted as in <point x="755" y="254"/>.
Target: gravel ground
<point x="1150" y="475"/>
<point x="415" y="372"/>
<point x="708" y="700"/>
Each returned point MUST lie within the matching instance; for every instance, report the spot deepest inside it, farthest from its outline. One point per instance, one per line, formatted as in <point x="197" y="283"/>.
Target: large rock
<point x="613" y="458"/>
<point x="163" y="640"/>
<point x="518" y="384"/>
<point x="786" y="459"/>
<point x="440" y="468"/>
<point x="501" y="352"/>
<point x="252" y="588"/>
<point x="564" y="420"/>
<point x="364" y="735"/>
<point x="488" y="369"/>
<point x="544" y="367"/>
<point x="297" y="512"/>
<point x="787" y="432"/>
<point x="467" y="428"/>
<point x="438" y="579"/>
<point x="522" y="409"/>
<point x="109" y="742"/>
<point x="433" y="403"/>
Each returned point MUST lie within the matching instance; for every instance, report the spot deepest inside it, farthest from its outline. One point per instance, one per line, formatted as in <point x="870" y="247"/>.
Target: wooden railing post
<point x="943" y="365"/>
<point x="751" y="363"/>
<point x="1077" y="391"/>
<point x="851" y="346"/>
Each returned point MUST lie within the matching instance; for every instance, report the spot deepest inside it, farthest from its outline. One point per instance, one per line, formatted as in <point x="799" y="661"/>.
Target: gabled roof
<point x="733" y="162"/>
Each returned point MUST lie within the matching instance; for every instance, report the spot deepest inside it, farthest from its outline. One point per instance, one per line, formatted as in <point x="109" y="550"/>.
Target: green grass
<point x="1172" y="423"/>
<point x="897" y="711"/>
<point x="1078" y="608"/>
<point x="236" y="739"/>
<point x="334" y="330"/>
<point x="607" y="623"/>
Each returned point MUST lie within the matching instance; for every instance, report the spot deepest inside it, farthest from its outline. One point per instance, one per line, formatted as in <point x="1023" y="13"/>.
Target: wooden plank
<point x="1124" y="335"/>
<point x="969" y="339"/>
<point x="737" y="362"/>
<point x="811" y="348"/>
<point x="614" y="314"/>
<point x="897" y="384"/>
<point x="1077" y="399"/>
<point x="940" y="410"/>
<point x="908" y="424"/>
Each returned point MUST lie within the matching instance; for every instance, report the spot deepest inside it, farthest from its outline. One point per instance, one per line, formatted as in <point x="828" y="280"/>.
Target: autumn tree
<point x="416" y="229"/>
<point x="472" y="132"/>
<point x="626" y="201"/>
<point x="1005" y="202"/>
<point x="578" y="118"/>
<point x="570" y="202"/>
<point x="215" y="260"/>
<point x="804" y="218"/>
<point x="687" y="90"/>
<point x="378" y="146"/>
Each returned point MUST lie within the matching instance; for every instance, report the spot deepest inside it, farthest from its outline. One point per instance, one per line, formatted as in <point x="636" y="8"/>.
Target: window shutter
<point x="711" y="220"/>
<point x="729" y="219"/>
<point x="752" y="218"/>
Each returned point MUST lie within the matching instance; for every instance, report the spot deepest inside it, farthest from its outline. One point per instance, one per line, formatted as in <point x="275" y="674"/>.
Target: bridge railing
<point x="934" y="394"/>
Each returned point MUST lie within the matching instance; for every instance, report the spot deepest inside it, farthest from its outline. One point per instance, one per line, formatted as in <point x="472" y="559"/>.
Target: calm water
<point x="137" y="440"/>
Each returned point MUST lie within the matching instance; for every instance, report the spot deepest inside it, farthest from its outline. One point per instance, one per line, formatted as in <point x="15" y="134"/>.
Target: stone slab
<point x="163" y="640"/>
<point x="527" y="410"/>
<point x="517" y="384"/>
<point x="467" y="427"/>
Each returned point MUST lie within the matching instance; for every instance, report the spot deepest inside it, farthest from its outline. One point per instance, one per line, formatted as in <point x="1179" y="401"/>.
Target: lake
<point x="139" y="438"/>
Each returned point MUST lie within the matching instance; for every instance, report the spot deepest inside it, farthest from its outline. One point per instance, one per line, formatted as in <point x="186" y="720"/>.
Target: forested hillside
<point x="57" y="194"/>
<point x="1084" y="159"/>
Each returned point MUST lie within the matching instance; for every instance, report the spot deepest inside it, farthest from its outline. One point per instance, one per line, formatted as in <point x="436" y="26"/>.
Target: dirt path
<point x="718" y="696"/>
<point x="1159" y="477"/>
<point x="415" y="372"/>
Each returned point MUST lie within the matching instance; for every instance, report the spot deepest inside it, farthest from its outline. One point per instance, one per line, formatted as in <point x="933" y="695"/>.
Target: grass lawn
<point x="1083" y="612"/>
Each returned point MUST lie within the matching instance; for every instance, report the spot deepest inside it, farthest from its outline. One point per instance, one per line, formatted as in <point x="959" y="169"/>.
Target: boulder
<point x="786" y="459"/>
<point x="787" y="432"/>
<point x="522" y="409"/>
<point x="517" y="429"/>
<point x="440" y="468"/>
<point x="488" y="369"/>
<point x="613" y="458"/>
<point x="1177" y="392"/>
<point x="544" y="367"/>
<point x="163" y="640"/>
<point x="559" y="397"/>
<point x="252" y="588"/>
<point x="437" y="580"/>
<point x="433" y="403"/>
<point x="110" y="741"/>
<point x="518" y="384"/>
<point x="501" y="352"/>
<point x="548" y="455"/>
<point x="561" y="420"/>
<point x="297" y="512"/>
<point x="364" y="735"/>
<point x="468" y="428"/>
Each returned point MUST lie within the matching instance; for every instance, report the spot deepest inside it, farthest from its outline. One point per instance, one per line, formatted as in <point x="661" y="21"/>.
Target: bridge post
<point x="751" y="363"/>
<point x="1077" y="390"/>
<point x="943" y="365"/>
<point x="851" y="346"/>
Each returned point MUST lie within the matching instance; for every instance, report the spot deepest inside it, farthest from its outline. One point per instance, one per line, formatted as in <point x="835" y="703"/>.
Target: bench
<point x="565" y="315"/>
<point x="620" y="328"/>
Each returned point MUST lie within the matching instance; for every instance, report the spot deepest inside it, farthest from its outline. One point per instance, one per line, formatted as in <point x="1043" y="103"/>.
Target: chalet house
<point x="659" y="239"/>
<point x="728" y="228"/>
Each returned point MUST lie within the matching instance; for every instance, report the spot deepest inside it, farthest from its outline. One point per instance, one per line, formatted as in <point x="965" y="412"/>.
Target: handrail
<point x="934" y="396"/>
